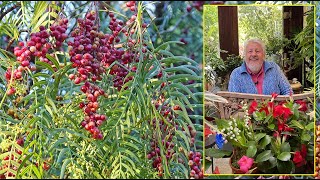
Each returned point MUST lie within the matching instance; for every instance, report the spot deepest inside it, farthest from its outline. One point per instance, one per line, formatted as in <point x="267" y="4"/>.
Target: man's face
<point x="254" y="57"/>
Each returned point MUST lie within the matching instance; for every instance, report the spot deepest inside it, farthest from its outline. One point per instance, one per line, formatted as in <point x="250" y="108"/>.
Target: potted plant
<point x="276" y="138"/>
<point x="218" y="70"/>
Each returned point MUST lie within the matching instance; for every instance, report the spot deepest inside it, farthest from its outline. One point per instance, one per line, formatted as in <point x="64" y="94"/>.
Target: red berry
<point x="189" y="8"/>
<point x="46" y="166"/>
<point x="21" y="43"/>
<point x="11" y="91"/>
<point x="176" y="107"/>
<point x="25" y="63"/>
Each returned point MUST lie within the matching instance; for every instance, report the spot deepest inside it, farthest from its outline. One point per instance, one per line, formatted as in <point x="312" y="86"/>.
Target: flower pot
<point x="253" y="170"/>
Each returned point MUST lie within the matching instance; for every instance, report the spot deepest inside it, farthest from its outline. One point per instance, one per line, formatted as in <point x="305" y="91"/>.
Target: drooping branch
<point x="9" y="44"/>
<point x="9" y="10"/>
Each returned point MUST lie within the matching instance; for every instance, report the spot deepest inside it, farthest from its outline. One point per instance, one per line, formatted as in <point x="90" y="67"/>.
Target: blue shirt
<point x="274" y="80"/>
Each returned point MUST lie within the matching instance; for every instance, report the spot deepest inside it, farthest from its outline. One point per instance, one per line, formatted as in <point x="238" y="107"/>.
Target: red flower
<point x="268" y="108"/>
<point x="276" y="134"/>
<point x="208" y="131"/>
<point x="303" y="105"/>
<point x="284" y="127"/>
<point x="253" y="107"/>
<point x="274" y="95"/>
<point x="245" y="163"/>
<point x="298" y="159"/>
<point x="304" y="150"/>
<point x="287" y="128"/>
<point x="282" y="110"/>
<point x="280" y="126"/>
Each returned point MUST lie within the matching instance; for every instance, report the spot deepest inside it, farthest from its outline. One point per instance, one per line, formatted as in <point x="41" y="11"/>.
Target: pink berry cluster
<point x="131" y="5"/>
<point x="93" y="52"/>
<point x="92" y="120"/>
<point x="167" y="135"/>
<point x="59" y="32"/>
<point x="38" y="46"/>
<point x="195" y="165"/>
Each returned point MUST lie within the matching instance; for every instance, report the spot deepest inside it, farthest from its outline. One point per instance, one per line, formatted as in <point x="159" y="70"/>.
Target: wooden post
<point x="228" y="30"/>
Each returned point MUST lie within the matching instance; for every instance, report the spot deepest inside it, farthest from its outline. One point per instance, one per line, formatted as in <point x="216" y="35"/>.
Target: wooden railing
<point x="226" y="109"/>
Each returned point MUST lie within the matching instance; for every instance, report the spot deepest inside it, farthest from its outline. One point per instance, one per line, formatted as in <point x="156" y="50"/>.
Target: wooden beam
<point x="228" y="30"/>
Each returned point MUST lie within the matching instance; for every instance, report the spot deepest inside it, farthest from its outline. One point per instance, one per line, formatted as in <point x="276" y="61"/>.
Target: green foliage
<point x="255" y="21"/>
<point x="304" y="41"/>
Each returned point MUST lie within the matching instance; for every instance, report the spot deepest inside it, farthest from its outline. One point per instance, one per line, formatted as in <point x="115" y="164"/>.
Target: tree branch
<point x="8" y="10"/>
<point x="9" y="44"/>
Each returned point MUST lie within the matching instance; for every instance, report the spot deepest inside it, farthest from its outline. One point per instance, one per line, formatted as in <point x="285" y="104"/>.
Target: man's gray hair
<point x="255" y="40"/>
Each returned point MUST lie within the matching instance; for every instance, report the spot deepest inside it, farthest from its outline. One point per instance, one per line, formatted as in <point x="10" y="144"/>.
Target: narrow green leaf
<point x="152" y="72"/>
<point x="130" y="162"/>
<point x="23" y="163"/>
<point x="24" y="171"/>
<point x="40" y="22"/>
<point x="40" y="74"/>
<point x="180" y="69"/>
<point x="36" y="171"/>
<point x="45" y="65"/>
<point x="53" y="60"/>
<point x="183" y="97"/>
<point x="131" y="145"/>
<point x="63" y="168"/>
<point x="97" y="175"/>
<point x="31" y="133"/>
<point x="49" y="100"/>
<point x="167" y="53"/>
<point x="179" y="77"/>
<point x="297" y="124"/>
<point x="127" y="169"/>
<point x="49" y="110"/>
<point x="184" y="137"/>
<point x="166" y="44"/>
<point x="180" y="87"/>
<point x="130" y="153"/>
<point x="62" y="155"/>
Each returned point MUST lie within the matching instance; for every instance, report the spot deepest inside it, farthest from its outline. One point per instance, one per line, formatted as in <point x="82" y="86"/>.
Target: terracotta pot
<point x="238" y="171"/>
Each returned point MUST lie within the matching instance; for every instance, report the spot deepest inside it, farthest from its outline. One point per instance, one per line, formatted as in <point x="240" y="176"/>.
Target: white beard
<point x="254" y="67"/>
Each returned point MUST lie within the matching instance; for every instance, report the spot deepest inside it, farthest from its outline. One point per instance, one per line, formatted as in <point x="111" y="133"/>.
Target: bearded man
<point x="256" y="75"/>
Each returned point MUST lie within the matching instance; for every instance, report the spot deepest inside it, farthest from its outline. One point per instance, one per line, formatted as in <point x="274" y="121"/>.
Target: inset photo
<point x="259" y="89"/>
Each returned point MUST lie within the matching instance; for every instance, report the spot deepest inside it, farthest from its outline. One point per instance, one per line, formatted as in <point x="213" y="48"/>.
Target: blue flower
<point x="219" y="141"/>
